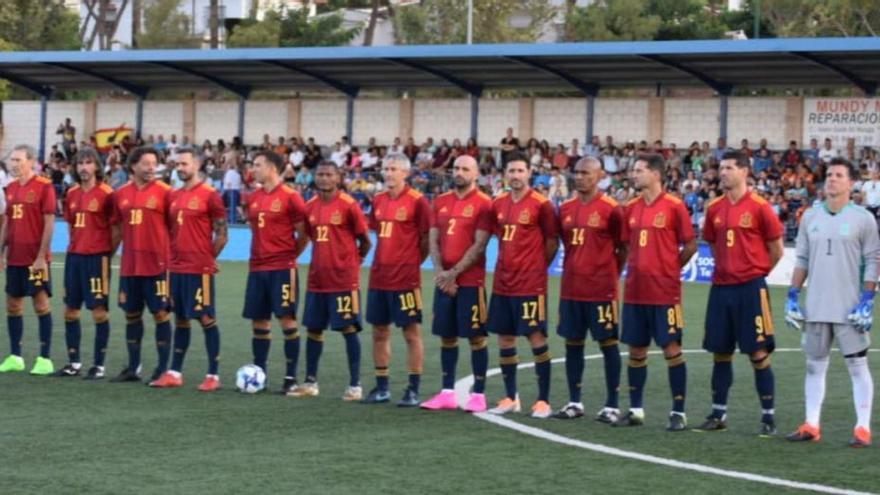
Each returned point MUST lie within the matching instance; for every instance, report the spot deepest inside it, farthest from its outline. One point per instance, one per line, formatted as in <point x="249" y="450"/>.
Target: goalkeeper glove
<point x="793" y="313"/>
<point x="862" y="316"/>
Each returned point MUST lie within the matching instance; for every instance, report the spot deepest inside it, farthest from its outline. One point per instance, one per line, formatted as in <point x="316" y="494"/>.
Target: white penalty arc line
<point x="462" y="388"/>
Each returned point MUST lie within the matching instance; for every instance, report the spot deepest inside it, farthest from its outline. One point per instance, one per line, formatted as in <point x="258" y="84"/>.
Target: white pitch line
<point x="462" y="388"/>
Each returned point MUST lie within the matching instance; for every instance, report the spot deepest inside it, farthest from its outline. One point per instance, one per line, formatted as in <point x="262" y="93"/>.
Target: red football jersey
<point x="25" y="206"/>
<point x="88" y="215"/>
<point x="522" y="227"/>
<point x="142" y="214"/>
<point x="273" y="216"/>
<point x="192" y="215"/>
<point x="739" y="233"/>
<point x="655" y="233"/>
<point x="457" y="221"/>
<point x="334" y="227"/>
<point x="400" y="224"/>
<point x="590" y="234"/>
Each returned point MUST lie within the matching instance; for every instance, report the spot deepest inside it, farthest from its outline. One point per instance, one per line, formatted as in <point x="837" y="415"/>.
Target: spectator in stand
<point x="339" y="157"/>
<point x="792" y="155"/>
<point x="396" y="147"/>
<point x="811" y="154"/>
<point x="828" y="152"/>
<point x="313" y="154"/>
<point x="68" y="138"/>
<point x="558" y="187"/>
<point x="594" y="148"/>
<point x="472" y="149"/>
<point x="297" y="157"/>
<point x="744" y="147"/>
<point x="534" y="154"/>
<point x="720" y="149"/>
<point x="411" y="150"/>
<point x="509" y="146"/>
<point x="118" y="175"/>
<point x="560" y="157"/>
<point x="345" y="146"/>
<point x="870" y="190"/>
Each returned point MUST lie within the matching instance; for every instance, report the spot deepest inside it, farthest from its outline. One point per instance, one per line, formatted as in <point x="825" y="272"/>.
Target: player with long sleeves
<point x="837" y="249"/>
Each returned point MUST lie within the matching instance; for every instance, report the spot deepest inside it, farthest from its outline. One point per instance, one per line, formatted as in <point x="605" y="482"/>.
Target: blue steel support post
<point x="349" y="119"/>
<point x="722" y="117"/>
<point x="241" y="106"/>
<point x="475" y="116"/>
<point x="591" y="113"/>
<point x="44" y="107"/>
<point x="139" y="117"/>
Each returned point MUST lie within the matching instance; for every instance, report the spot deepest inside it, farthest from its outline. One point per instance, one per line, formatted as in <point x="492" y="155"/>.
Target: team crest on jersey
<point x="152" y="202"/>
<point x="844" y="229"/>
<point x="567" y="219"/>
<point x="632" y="221"/>
<point x="193" y="204"/>
<point x="745" y="221"/>
<point x="124" y="203"/>
<point x="401" y="214"/>
<point x="73" y="206"/>
<point x="275" y="206"/>
<point x="30" y="197"/>
<point x="660" y="220"/>
<point x="336" y="218"/>
<point x="594" y="220"/>
<point x="254" y="205"/>
<point x="444" y="210"/>
<point x="93" y="205"/>
<point x="717" y="221"/>
<point x="468" y="211"/>
<point x="311" y="218"/>
<point x="524" y="217"/>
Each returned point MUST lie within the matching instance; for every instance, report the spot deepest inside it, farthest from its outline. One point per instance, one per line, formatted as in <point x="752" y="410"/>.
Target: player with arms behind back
<point x="661" y="241"/>
<point x="276" y="214"/>
<point x="88" y="210"/>
<point x="198" y="234"/>
<point x="25" y="239"/>
<point x="139" y="209"/>
<point x="525" y="224"/>
<point x="837" y="249"/>
<point x="401" y="217"/>
<point x="591" y="230"/>
<point x="338" y="230"/>
<point x="745" y="236"/>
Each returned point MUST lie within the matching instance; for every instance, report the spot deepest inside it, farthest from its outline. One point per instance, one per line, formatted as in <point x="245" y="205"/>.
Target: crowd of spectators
<point x="790" y="179"/>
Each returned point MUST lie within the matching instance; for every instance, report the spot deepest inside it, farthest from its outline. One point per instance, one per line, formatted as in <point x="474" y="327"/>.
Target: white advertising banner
<point x="841" y="119"/>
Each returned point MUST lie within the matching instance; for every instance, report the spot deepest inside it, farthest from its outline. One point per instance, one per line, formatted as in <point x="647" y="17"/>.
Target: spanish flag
<point x="106" y="138"/>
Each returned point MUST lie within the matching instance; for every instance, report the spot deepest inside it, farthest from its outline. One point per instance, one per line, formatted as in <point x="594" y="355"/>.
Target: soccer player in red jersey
<point x="401" y="217"/>
<point x="25" y="240"/>
<point x="198" y="233"/>
<point x="340" y="241"/>
<point x="460" y="229"/>
<point x="657" y="226"/>
<point x="88" y="210"/>
<point x="746" y="240"/>
<point x="140" y="211"/>
<point x="527" y="231"/>
<point x="276" y="214"/>
<point x="591" y="226"/>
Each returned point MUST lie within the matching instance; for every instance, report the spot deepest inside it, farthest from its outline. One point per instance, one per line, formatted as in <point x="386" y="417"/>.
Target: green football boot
<point x="43" y="367"/>
<point x="12" y="363"/>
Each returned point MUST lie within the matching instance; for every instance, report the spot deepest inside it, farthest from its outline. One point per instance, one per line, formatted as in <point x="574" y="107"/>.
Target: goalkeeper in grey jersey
<point x="837" y="249"/>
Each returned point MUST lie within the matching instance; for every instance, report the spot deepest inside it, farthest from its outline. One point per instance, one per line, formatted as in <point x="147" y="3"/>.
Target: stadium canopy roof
<point x="720" y="65"/>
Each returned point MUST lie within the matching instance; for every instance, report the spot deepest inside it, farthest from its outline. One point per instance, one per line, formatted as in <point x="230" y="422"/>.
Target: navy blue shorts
<point x="338" y="310"/>
<point x="739" y="315"/>
<point x="87" y="280"/>
<point x="517" y="315"/>
<point x="271" y="292"/>
<point x="135" y="293"/>
<point x="462" y="315"/>
<point x="401" y="307"/>
<point x="643" y="322"/>
<point x="192" y="296"/>
<point x="21" y="281"/>
<point x="576" y="318"/>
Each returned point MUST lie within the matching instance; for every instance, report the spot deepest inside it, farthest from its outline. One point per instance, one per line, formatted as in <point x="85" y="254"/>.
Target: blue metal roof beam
<point x="340" y="86"/>
<point x="469" y="87"/>
<point x="870" y="88"/>
<point x="721" y="88"/>
<point x="237" y="89"/>
<point x="135" y="89"/>
<point x="28" y="85"/>
<point x="585" y="87"/>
